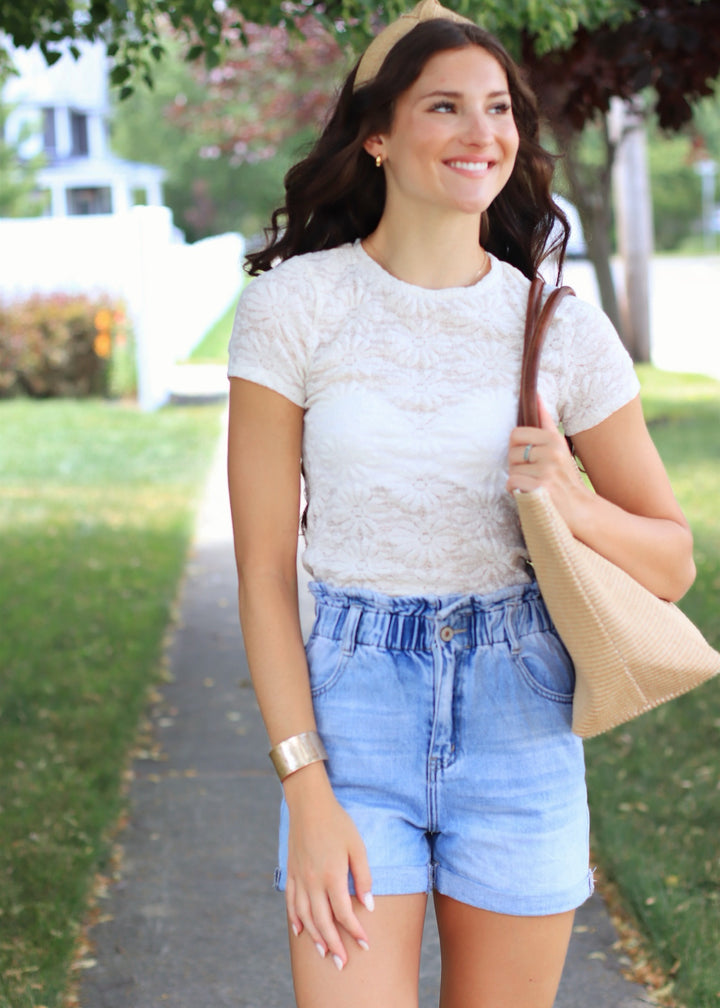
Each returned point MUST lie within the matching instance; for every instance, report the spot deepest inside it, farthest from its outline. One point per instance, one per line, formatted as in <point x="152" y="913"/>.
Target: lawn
<point x="95" y="513"/>
<point x="212" y="348"/>
<point x="655" y="783"/>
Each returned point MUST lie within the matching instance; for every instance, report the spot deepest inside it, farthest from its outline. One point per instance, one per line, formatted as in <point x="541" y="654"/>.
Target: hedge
<point x="65" y="345"/>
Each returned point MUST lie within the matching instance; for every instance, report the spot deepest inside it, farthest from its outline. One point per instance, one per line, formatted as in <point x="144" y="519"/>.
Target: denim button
<point x="447" y="633"/>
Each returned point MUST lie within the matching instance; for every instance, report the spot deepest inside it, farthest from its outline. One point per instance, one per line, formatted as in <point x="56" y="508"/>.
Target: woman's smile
<point x="471" y="167"/>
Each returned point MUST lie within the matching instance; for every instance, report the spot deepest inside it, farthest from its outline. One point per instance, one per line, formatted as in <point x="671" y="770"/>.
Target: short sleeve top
<point x="409" y="399"/>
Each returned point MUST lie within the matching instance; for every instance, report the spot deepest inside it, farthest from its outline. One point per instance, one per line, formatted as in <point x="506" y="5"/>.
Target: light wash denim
<point x="447" y="726"/>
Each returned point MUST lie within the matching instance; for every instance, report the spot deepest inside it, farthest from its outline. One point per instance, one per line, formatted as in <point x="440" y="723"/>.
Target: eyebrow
<point x="458" y="94"/>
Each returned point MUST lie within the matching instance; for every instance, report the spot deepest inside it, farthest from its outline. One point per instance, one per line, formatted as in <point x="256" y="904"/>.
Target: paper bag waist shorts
<point x="447" y="726"/>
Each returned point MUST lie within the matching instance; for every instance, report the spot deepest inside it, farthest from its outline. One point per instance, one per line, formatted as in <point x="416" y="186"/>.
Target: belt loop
<point x="349" y="632"/>
<point x="510" y="621"/>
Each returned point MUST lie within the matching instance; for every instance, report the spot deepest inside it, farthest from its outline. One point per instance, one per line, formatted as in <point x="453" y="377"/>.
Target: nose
<point x="478" y="128"/>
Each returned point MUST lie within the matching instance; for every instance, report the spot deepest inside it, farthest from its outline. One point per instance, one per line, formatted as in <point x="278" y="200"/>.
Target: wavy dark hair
<point x="336" y="194"/>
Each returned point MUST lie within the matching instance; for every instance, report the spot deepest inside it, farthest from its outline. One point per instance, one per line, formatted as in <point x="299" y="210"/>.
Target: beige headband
<point x="375" y="54"/>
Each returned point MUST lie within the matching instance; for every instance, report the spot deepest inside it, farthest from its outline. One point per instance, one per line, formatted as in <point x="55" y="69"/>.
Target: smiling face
<point x="453" y="140"/>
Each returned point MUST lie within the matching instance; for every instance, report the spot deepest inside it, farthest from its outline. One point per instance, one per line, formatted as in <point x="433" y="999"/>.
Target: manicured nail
<point x="321" y="950"/>
<point x="338" y="962"/>
<point x="295" y="929"/>
<point x="363" y="945"/>
<point x="368" y="901"/>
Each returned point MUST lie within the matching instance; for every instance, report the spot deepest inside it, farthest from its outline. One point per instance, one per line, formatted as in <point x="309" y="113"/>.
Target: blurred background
<point x="142" y="151"/>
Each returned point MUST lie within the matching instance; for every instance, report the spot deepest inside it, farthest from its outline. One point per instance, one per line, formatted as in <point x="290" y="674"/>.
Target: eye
<point x="500" y="108"/>
<point x="444" y="105"/>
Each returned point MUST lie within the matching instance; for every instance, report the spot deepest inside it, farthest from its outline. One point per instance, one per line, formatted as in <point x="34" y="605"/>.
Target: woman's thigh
<point x="492" y="960"/>
<point x="385" y="976"/>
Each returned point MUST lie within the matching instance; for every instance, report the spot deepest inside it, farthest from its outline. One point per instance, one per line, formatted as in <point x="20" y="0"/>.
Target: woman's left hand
<point x="539" y="456"/>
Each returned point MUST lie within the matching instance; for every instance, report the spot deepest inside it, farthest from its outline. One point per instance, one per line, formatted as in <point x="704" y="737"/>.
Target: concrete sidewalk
<point x="193" y="921"/>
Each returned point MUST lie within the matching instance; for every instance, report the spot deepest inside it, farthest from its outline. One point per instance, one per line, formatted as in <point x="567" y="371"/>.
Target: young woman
<point x="423" y="734"/>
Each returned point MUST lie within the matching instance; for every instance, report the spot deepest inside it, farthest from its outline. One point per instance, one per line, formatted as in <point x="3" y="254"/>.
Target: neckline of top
<point x="395" y="283"/>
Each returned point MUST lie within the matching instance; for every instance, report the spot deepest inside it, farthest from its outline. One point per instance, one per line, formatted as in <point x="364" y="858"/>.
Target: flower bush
<point x="65" y="345"/>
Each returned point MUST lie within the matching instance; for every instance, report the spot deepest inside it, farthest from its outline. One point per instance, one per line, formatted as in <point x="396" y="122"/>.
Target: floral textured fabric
<point x="410" y="396"/>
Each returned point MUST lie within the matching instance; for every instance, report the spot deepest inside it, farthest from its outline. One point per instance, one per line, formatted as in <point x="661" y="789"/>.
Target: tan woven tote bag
<point x="631" y="650"/>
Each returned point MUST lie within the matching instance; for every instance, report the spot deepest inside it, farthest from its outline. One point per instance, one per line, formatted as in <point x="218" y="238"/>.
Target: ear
<point x="374" y="145"/>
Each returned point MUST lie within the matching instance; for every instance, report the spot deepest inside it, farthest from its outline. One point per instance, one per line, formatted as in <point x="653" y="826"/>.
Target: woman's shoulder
<point x="515" y="286"/>
<point x="574" y="317"/>
<point x="585" y="323"/>
<point x="305" y="273"/>
<point x="582" y="341"/>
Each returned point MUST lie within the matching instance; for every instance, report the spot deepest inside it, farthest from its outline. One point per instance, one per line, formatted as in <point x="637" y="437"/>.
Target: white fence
<point x="173" y="291"/>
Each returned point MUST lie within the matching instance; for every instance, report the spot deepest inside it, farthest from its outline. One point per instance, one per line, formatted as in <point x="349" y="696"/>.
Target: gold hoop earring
<point x="378" y="161"/>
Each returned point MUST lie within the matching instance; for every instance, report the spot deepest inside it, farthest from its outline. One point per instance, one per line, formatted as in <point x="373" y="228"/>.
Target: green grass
<point x="655" y="783"/>
<point x="95" y="515"/>
<point x="212" y="348"/>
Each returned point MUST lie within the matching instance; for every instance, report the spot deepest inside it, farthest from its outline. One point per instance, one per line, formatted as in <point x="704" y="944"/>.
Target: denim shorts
<point x="447" y="726"/>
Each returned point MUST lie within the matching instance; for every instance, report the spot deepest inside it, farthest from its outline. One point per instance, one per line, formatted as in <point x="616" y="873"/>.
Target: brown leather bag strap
<point x="537" y="322"/>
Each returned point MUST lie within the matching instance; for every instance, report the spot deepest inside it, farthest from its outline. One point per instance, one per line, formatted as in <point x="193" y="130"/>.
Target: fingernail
<point x="364" y="945"/>
<point x="368" y="901"/>
<point x="321" y="950"/>
<point x="338" y="962"/>
<point x="295" y="930"/>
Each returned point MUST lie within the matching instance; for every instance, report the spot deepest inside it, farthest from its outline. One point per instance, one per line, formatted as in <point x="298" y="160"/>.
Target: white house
<point x="95" y="237"/>
<point x="67" y="109"/>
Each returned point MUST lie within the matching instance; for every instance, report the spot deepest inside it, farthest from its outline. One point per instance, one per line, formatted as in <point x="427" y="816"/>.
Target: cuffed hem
<point x="515" y="904"/>
<point x="425" y="879"/>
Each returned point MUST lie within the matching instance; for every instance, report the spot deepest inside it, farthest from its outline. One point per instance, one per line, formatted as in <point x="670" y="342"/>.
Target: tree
<point x="226" y="135"/>
<point x="269" y="88"/>
<point x="676" y="189"/>
<point x="18" y="191"/>
<point x="135" y="29"/>
<point x="132" y="30"/>
<point x="670" y="48"/>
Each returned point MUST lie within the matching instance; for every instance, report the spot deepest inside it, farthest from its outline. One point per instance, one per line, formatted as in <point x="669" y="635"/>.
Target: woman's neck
<point x="427" y="256"/>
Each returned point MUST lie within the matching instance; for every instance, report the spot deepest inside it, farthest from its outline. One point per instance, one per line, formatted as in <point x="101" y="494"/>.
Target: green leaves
<point x="620" y="46"/>
<point x="18" y="182"/>
<point x="133" y="28"/>
<point x="119" y="74"/>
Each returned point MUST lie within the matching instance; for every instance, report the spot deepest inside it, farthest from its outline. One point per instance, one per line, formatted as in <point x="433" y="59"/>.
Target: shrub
<point x="64" y="345"/>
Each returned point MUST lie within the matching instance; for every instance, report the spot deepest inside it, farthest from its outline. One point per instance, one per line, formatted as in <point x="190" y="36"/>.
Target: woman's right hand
<point x="323" y="846"/>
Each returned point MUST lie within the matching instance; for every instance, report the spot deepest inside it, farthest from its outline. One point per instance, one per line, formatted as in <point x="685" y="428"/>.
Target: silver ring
<point x="526" y="453"/>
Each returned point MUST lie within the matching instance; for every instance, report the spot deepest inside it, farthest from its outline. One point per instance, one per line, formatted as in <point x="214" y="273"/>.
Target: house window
<point x="78" y="134"/>
<point x="89" y="201"/>
<point x="49" y="140"/>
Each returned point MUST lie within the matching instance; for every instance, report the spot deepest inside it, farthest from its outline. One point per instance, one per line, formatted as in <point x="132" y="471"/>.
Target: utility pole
<point x="633" y="216"/>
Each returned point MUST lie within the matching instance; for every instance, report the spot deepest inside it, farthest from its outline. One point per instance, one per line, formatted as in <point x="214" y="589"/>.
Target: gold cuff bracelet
<point x="297" y="752"/>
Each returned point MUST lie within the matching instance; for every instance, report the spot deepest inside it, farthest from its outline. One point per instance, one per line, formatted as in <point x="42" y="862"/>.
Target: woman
<point x="382" y="355"/>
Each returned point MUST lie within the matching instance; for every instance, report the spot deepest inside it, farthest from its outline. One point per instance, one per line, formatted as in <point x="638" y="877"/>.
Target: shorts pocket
<point x="327" y="661"/>
<point x="546" y="666"/>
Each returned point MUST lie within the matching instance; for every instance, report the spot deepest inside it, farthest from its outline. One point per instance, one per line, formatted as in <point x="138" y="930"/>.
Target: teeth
<point x="476" y="166"/>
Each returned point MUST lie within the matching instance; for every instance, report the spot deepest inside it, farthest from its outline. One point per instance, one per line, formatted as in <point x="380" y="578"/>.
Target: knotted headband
<point x="374" y="56"/>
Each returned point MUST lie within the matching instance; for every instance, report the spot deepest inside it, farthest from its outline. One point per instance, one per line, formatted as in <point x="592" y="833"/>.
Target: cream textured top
<point x="410" y="396"/>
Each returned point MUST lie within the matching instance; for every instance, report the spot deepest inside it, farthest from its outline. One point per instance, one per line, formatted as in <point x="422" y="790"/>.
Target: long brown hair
<point x="336" y="194"/>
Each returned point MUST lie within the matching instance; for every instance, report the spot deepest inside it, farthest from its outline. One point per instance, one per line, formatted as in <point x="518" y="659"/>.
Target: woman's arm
<point x="264" y="451"/>
<point x="632" y="518"/>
